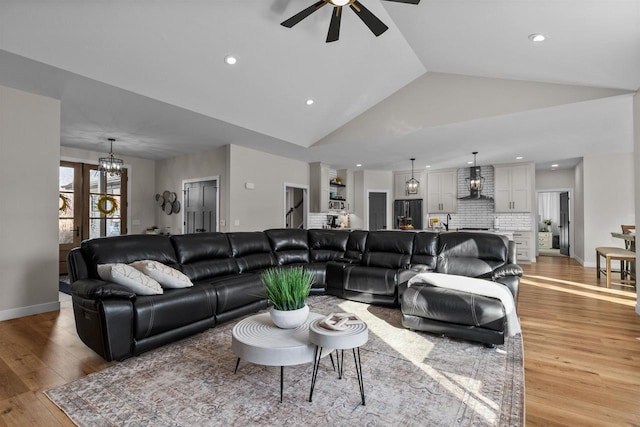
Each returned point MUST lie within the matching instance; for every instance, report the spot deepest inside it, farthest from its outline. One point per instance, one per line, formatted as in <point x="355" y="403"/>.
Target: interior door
<point x="200" y="206"/>
<point x="564" y="223"/>
<point x="70" y="210"/>
<point x="377" y="211"/>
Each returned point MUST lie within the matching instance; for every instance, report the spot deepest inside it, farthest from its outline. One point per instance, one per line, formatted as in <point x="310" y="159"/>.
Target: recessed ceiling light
<point x="359" y="165"/>
<point x="469" y="163"/>
<point x="428" y="166"/>
<point x="230" y="60"/>
<point x="310" y="101"/>
<point x="519" y="158"/>
<point x="554" y="166"/>
<point x="537" y="37"/>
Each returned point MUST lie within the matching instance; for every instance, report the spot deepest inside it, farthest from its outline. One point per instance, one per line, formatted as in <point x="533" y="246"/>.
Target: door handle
<point x="77" y="230"/>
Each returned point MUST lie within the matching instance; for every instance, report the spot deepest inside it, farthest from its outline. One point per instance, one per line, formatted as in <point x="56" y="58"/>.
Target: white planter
<point x="289" y="319"/>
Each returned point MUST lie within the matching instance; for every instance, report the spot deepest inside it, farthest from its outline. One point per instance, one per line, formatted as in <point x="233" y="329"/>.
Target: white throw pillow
<point x="133" y="279"/>
<point x="167" y="277"/>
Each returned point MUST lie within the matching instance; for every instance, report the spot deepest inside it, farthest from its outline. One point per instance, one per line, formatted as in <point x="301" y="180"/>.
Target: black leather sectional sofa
<point x="225" y="269"/>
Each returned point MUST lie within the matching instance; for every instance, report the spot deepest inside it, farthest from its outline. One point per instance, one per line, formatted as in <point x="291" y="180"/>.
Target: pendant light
<point x="412" y="185"/>
<point x="110" y="165"/>
<point x="475" y="180"/>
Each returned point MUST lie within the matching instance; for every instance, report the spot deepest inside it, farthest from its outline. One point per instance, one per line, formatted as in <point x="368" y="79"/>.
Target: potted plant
<point x="287" y="288"/>
<point x="548" y="224"/>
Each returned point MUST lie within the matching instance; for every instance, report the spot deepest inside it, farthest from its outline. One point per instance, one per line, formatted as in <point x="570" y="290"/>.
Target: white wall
<point x="263" y="206"/>
<point x="141" y="187"/>
<point x="636" y="133"/>
<point x="553" y="180"/>
<point x="608" y="201"/>
<point x="357" y="216"/>
<point x="170" y="173"/>
<point x="578" y="214"/>
<point x="29" y="152"/>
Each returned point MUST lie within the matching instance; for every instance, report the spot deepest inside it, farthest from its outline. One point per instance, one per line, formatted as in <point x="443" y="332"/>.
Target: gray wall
<point x="29" y="152"/>
<point x="608" y="201"/>
<point x="170" y="174"/>
<point x="262" y="206"/>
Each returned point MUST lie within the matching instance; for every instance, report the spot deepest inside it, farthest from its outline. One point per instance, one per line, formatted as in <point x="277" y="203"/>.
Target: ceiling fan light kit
<point x="376" y="26"/>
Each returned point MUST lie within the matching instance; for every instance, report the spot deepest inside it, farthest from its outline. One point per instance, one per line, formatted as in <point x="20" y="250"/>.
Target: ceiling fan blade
<point x="406" y="1"/>
<point x="334" y="25"/>
<point x="376" y="26"/>
<point x="301" y="15"/>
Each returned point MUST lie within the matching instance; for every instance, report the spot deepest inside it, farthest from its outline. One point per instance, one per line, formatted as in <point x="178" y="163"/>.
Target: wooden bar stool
<point x="614" y="254"/>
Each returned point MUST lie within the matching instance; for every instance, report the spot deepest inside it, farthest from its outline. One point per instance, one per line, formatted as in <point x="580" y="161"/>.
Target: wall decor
<point x="168" y="202"/>
<point x="107" y="205"/>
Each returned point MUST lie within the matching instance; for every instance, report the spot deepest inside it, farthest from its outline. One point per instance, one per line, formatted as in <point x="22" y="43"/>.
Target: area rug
<point x="64" y="287"/>
<point x="410" y="378"/>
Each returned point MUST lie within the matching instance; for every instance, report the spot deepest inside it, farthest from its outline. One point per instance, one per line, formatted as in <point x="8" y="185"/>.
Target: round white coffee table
<point x="257" y="340"/>
<point x="353" y="337"/>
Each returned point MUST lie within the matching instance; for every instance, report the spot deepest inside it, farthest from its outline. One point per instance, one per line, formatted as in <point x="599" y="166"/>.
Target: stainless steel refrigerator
<point x="408" y="212"/>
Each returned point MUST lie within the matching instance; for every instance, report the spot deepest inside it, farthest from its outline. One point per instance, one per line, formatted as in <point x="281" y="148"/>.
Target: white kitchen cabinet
<point x="442" y="191"/>
<point x="326" y="194"/>
<point x="522" y="240"/>
<point x="400" y="185"/>
<point x="513" y="187"/>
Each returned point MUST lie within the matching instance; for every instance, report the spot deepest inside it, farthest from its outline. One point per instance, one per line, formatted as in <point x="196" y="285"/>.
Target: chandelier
<point x="110" y="165"/>
<point x="412" y="184"/>
<point x="475" y="180"/>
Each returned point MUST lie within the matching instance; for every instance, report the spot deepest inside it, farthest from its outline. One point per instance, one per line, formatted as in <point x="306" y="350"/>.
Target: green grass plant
<point x="287" y="287"/>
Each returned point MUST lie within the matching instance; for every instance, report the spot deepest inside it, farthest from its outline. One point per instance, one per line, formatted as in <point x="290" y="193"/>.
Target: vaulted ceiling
<point x="449" y="77"/>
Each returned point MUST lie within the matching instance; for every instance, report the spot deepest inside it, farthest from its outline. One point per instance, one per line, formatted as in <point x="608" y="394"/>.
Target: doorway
<point x="554" y="225"/>
<point x="200" y="205"/>
<point x="377" y="210"/>
<point x="295" y="206"/>
<point x="91" y="204"/>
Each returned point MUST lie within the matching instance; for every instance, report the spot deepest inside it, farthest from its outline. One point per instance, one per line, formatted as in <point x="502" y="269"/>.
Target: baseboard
<point x="581" y="261"/>
<point x="30" y="310"/>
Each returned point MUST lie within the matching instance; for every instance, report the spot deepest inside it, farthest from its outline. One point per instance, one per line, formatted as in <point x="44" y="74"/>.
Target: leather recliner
<point x="465" y="314"/>
<point x="225" y="269"/>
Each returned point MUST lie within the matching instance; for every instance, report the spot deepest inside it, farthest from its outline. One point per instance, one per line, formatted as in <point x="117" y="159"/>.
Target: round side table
<point x="352" y="338"/>
<point x="257" y="340"/>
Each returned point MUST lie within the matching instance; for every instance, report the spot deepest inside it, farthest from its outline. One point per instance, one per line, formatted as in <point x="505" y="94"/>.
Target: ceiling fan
<point x="376" y="26"/>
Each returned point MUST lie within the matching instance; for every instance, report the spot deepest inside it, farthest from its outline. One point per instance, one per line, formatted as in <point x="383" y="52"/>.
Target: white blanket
<point x="478" y="287"/>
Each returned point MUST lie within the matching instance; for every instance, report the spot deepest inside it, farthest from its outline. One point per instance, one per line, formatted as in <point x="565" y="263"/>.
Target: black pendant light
<point x="412" y="184"/>
<point x="475" y="181"/>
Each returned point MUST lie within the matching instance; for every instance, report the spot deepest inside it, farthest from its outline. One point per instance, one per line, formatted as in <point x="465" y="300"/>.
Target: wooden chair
<point x="615" y="254"/>
<point x="630" y="246"/>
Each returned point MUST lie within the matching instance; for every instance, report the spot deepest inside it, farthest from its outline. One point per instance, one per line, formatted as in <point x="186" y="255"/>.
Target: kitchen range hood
<point x="475" y="182"/>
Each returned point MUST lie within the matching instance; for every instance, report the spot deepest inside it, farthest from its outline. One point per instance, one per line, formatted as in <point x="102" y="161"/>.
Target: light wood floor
<point x="581" y="340"/>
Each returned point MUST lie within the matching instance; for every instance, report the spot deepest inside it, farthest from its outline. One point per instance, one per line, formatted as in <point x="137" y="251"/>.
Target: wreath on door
<point x="64" y="203"/>
<point x="107" y="205"/>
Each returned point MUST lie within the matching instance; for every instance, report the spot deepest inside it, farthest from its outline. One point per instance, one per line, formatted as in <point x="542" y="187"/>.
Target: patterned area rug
<point x="410" y="378"/>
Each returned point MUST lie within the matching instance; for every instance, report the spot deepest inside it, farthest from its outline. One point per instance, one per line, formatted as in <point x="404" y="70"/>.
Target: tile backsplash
<point x="481" y="213"/>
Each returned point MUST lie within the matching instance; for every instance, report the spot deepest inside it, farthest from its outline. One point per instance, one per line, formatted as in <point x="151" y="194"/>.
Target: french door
<point x="92" y="204"/>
